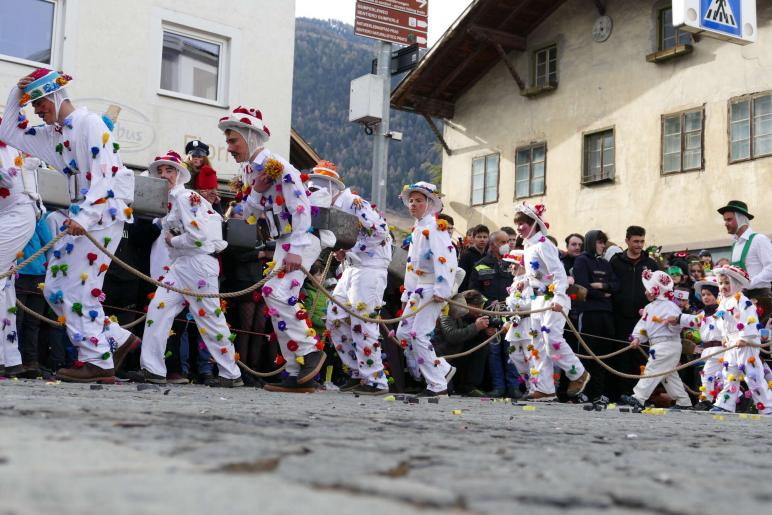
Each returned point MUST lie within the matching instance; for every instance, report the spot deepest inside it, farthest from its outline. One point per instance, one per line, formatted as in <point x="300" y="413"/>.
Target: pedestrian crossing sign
<point x="722" y="15"/>
<point x="730" y="20"/>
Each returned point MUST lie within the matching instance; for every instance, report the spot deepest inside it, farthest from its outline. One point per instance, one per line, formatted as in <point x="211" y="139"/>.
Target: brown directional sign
<point x="404" y="22"/>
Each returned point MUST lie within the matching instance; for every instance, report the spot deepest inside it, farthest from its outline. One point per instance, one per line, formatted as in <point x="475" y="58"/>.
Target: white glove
<point x="30" y="163"/>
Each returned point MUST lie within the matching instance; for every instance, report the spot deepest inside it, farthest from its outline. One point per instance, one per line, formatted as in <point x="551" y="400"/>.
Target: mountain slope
<point x="327" y="57"/>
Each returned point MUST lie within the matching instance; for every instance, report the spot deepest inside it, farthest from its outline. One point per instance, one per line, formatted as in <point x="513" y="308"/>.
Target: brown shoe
<point x="87" y="373"/>
<point x="290" y="385"/>
<point x="539" y="397"/>
<point x="119" y="356"/>
<point x="577" y="386"/>
<point x="14" y="371"/>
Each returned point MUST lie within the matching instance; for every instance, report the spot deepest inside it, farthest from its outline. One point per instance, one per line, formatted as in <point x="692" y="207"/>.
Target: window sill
<point x="191" y="98"/>
<point x="670" y="53"/>
<point x="24" y="62"/>
<point x="592" y="181"/>
<point x="492" y="202"/>
<point x="535" y="91"/>
<point x="535" y="195"/>
<point x="749" y="159"/>
<point x="681" y="172"/>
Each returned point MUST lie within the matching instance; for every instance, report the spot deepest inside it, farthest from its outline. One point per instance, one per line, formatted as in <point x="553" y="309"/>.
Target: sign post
<point x="729" y="20"/>
<point x="403" y="22"/>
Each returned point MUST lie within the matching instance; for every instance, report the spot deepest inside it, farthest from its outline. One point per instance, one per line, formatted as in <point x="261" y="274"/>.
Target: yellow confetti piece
<point x="755" y="417"/>
<point x="529" y="408"/>
<point x="611" y="406"/>
<point x="251" y="220"/>
<point x="744" y="416"/>
<point x="718" y="417"/>
<point x="390" y="398"/>
<point x="456" y="411"/>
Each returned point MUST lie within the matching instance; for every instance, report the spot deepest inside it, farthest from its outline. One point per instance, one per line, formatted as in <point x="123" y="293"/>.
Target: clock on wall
<point x="601" y="29"/>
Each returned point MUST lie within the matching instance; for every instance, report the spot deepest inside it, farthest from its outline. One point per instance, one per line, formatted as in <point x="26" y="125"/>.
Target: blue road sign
<point x="723" y="16"/>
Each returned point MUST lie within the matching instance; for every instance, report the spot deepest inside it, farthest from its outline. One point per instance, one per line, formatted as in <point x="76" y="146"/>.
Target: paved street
<point x="68" y="449"/>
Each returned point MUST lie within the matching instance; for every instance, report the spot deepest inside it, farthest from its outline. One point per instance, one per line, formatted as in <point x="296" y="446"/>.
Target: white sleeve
<point x="16" y="131"/>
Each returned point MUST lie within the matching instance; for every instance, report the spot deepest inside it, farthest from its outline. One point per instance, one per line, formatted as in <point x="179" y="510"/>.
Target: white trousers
<point x="73" y="287"/>
<point x="357" y="341"/>
<point x="663" y="356"/>
<point x="711" y="375"/>
<point x="296" y="338"/>
<point x="520" y="356"/>
<point x="416" y="332"/>
<point x="744" y="364"/>
<point x="17" y="225"/>
<point x="550" y="349"/>
<point x="197" y="273"/>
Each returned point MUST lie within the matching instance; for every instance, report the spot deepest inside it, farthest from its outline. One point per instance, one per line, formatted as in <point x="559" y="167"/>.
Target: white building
<point x="174" y="67"/>
<point x="608" y="122"/>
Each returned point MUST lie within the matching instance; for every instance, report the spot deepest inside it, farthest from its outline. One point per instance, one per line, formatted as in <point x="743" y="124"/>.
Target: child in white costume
<point x="738" y="321"/>
<point x="546" y="283"/>
<point x="520" y="332"/>
<point x="656" y="327"/>
<point x="710" y="342"/>
<point x="362" y="284"/>
<point x="193" y="233"/>
<point x="17" y="224"/>
<point x="429" y="277"/>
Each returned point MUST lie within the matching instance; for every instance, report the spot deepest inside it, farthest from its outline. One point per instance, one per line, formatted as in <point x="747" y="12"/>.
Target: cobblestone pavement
<point x="68" y="449"/>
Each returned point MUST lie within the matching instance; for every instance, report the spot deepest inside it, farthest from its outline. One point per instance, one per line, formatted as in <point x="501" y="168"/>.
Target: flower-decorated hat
<point x="171" y="158"/>
<point x="44" y="82"/>
<point x="739" y="275"/>
<point x="515" y="256"/>
<point x="431" y="192"/>
<point x="326" y="171"/>
<point x="681" y="294"/>
<point x="657" y="283"/>
<point x="246" y="118"/>
<point x="535" y="213"/>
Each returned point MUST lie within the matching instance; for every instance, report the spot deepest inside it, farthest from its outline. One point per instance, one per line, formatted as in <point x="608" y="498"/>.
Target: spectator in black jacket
<point x="574" y="248"/>
<point x="491" y="277"/>
<point x="474" y="253"/>
<point x="628" y="301"/>
<point x="595" y="314"/>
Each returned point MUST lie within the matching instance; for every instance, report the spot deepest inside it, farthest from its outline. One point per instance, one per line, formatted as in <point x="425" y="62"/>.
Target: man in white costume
<point x="193" y="232"/>
<point x="80" y="145"/>
<point x="17" y="224"/>
<point x="362" y="284"/>
<point x="274" y="191"/>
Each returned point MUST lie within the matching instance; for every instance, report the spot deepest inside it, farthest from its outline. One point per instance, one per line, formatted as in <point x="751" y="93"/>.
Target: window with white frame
<point x="682" y="148"/>
<point x="750" y="127"/>
<point x="28" y="31"/>
<point x="485" y="179"/>
<point x="598" y="157"/>
<point x="530" y="170"/>
<point x="193" y="65"/>
<point x="545" y="66"/>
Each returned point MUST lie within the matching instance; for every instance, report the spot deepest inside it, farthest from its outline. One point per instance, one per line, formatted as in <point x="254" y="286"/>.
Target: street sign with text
<point x="404" y="22"/>
<point x="730" y="20"/>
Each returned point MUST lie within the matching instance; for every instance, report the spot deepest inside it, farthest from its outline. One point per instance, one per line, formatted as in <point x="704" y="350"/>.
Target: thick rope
<point x="55" y="323"/>
<point x="42" y="250"/>
<point x="660" y="374"/>
<point x="182" y="291"/>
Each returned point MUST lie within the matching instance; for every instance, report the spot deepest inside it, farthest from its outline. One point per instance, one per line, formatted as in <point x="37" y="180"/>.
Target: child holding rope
<point x="738" y="321"/>
<point x="429" y="278"/>
<point x="710" y="341"/>
<point x="656" y="327"/>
